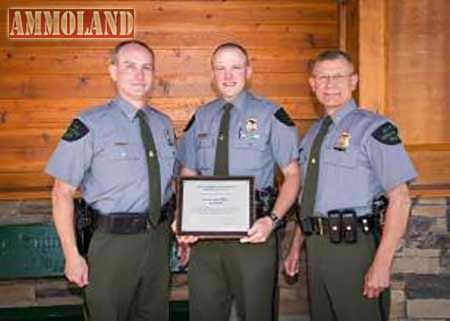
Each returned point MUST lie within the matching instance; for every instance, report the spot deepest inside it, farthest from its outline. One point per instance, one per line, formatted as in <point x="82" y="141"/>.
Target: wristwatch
<point x="277" y="221"/>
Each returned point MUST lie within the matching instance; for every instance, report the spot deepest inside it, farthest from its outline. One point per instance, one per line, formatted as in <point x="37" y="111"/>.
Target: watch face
<point x="277" y="222"/>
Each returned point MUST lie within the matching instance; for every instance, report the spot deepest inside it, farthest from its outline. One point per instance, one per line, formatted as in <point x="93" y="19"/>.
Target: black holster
<point x="84" y="225"/>
<point x="379" y="207"/>
<point x="265" y="200"/>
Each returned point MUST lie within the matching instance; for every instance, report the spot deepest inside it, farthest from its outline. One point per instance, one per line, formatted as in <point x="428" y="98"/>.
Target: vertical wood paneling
<point x="352" y="31"/>
<point x="403" y="55"/>
<point x="372" y="54"/>
<point x="419" y="87"/>
<point x="419" y="82"/>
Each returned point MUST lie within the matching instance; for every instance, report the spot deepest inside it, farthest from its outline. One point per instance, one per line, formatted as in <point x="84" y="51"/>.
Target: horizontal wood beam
<point x="417" y="191"/>
<point x="427" y="147"/>
<point x="430" y="190"/>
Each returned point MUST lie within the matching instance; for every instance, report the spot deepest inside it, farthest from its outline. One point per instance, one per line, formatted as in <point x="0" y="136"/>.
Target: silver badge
<point x="251" y="125"/>
<point x="343" y="141"/>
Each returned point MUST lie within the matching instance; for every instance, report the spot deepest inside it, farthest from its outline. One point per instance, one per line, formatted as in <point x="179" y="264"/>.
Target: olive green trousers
<point x="129" y="276"/>
<point x="223" y="271"/>
<point x="336" y="280"/>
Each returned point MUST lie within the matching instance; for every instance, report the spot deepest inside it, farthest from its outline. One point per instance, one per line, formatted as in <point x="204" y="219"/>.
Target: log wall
<point x="44" y="84"/>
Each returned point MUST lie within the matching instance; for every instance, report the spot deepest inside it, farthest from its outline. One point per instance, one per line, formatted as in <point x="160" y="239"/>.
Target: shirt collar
<point x="339" y="115"/>
<point x="126" y="108"/>
<point x="239" y="102"/>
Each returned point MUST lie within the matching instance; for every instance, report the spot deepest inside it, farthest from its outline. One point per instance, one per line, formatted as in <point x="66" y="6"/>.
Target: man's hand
<point x="183" y="253"/>
<point x="292" y="262"/>
<point x="378" y="276"/>
<point x="183" y="245"/>
<point x="260" y="231"/>
<point x="187" y="239"/>
<point x="377" y="279"/>
<point x="76" y="271"/>
<point x="183" y="239"/>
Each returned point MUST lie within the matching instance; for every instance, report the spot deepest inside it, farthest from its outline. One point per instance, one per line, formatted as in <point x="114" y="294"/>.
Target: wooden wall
<point x="44" y="84"/>
<point x="403" y="59"/>
<point x="418" y="86"/>
<point x="403" y="65"/>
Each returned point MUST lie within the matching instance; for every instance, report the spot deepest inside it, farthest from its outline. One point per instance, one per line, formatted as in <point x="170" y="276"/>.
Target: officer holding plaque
<point x="239" y="134"/>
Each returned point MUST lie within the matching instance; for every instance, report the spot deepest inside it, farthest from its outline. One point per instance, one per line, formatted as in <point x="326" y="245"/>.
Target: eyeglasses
<point x="332" y="79"/>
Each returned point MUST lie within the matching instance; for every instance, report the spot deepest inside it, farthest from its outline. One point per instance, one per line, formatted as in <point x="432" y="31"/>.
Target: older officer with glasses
<point x="350" y="157"/>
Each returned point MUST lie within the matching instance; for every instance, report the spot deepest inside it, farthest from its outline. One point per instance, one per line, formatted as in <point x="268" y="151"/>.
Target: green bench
<point x="32" y="251"/>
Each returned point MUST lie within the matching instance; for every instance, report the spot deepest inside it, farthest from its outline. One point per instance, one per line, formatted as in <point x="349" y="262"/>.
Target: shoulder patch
<point x="387" y="134"/>
<point x="283" y="117"/>
<point x="189" y="124"/>
<point x="75" y="131"/>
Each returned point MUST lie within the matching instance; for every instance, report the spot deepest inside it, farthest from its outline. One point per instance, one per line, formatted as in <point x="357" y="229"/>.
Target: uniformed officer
<point x="121" y="155"/>
<point x="260" y="136"/>
<point x="350" y="157"/>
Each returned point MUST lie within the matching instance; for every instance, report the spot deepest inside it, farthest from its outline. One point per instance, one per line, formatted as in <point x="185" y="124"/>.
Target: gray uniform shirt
<point x="354" y="166"/>
<point x="108" y="162"/>
<point x="260" y="136"/>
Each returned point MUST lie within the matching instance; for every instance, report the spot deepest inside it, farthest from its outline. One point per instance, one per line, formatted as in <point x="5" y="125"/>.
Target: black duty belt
<point x="340" y="227"/>
<point x="321" y="225"/>
<point x="130" y="223"/>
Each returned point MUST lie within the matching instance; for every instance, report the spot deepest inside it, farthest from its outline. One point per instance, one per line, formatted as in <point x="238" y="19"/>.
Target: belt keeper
<point x="320" y="225"/>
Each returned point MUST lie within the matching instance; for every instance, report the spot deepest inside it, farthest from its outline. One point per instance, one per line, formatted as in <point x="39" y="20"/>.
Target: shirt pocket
<point x="250" y="144"/>
<point x="345" y="159"/>
<point x="122" y="152"/>
<point x="166" y="158"/>
<point x="251" y="153"/>
<point x="346" y="178"/>
<point x="119" y="165"/>
<point x="205" y="151"/>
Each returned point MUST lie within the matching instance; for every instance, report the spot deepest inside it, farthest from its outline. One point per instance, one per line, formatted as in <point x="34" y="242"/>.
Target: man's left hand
<point x="377" y="279"/>
<point x="259" y="232"/>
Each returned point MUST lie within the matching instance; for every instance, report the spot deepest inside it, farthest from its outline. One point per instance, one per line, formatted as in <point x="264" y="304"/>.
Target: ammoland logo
<point x="78" y="23"/>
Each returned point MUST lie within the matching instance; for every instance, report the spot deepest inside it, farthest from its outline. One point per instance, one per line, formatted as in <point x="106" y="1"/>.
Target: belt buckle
<point x="320" y="225"/>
